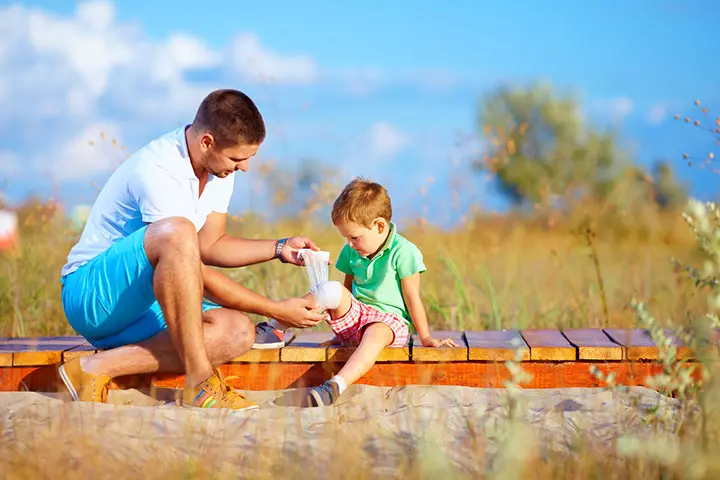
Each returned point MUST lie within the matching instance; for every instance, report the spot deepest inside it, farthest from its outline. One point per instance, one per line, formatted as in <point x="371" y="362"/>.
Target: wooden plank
<point x="551" y="374"/>
<point x="307" y="347"/>
<point x="44" y="340"/>
<point x="636" y="343"/>
<point x="420" y="353"/>
<point x="39" y="351"/>
<point x="495" y="345"/>
<point x="341" y="354"/>
<point x="6" y="353"/>
<point x="683" y="351"/>
<point x="593" y="344"/>
<point x="79" y="351"/>
<point x="258" y="356"/>
<point x="548" y="345"/>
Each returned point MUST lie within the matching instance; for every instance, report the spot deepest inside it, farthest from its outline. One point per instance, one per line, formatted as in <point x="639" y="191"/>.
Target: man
<point x="138" y="283"/>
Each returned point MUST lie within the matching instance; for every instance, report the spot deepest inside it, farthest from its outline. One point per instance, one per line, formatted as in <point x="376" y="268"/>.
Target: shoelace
<point x="227" y="388"/>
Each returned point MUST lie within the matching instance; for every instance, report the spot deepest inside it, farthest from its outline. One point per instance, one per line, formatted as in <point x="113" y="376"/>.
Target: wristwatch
<point x="278" y="249"/>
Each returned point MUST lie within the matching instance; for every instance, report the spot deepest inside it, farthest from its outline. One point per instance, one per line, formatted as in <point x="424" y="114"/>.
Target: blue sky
<point x="378" y="88"/>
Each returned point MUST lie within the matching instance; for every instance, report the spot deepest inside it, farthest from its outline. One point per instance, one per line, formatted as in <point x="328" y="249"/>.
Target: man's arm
<point x="221" y="289"/>
<point x="219" y="249"/>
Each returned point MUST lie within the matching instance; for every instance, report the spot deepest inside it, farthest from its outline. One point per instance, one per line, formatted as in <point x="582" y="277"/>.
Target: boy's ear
<point x="381" y="224"/>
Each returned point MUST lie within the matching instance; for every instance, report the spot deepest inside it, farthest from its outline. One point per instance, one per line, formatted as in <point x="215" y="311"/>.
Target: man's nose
<point x="242" y="166"/>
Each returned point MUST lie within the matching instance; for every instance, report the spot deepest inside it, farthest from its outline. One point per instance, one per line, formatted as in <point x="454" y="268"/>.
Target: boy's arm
<point x="411" y="294"/>
<point x="348" y="282"/>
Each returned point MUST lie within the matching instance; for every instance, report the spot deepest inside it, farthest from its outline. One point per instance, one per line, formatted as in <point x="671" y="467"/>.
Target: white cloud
<point x="617" y="108"/>
<point x="385" y="140"/>
<point x="56" y="66"/>
<point x="95" y="150"/>
<point x="657" y="114"/>
<point x="251" y="59"/>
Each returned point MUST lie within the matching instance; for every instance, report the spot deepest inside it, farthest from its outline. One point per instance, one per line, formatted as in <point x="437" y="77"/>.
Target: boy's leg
<point x="375" y="338"/>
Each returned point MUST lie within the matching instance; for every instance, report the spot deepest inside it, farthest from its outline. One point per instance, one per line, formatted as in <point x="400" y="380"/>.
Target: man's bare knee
<point x="234" y="333"/>
<point x="171" y="236"/>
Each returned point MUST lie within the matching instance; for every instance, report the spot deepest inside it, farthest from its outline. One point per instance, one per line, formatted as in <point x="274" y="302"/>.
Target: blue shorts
<point x="110" y="300"/>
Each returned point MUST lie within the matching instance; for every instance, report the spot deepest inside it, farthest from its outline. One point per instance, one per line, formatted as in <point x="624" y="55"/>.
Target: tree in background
<point x="539" y="149"/>
<point x="543" y="154"/>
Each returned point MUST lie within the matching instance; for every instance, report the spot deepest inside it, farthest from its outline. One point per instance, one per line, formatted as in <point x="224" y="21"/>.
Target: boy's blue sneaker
<point x="268" y="337"/>
<point x="325" y="394"/>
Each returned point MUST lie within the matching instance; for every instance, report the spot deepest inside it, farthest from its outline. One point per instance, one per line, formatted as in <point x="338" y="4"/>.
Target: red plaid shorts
<point x="350" y="327"/>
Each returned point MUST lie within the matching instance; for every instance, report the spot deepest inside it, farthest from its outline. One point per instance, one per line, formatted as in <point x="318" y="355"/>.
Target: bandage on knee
<point x="328" y="294"/>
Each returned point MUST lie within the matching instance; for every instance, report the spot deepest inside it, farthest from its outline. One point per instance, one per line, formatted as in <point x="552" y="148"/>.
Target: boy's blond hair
<point x="361" y="202"/>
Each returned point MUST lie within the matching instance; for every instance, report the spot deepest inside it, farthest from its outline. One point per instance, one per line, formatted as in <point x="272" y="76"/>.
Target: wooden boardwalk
<point x="554" y="358"/>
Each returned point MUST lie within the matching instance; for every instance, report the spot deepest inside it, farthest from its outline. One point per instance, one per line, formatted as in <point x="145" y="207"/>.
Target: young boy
<point x="382" y="270"/>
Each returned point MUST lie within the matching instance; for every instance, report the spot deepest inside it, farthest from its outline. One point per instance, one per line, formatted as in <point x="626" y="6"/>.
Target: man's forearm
<point x="233" y="252"/>
<point x="226" y="292"/>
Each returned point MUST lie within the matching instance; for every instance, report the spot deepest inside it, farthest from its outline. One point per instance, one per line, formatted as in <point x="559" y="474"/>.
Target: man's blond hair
<point x="361" y="202"/>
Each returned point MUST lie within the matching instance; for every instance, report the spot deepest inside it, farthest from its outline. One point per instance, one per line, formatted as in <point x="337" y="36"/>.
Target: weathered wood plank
<point x="549" y="345"/>
<point x="420" y="353"/>
<point x="307" y="347"/>
<point x="341" y="354"/>
<point x="79" y="351"/>
<point x="6" y="353"/>
<point x="636" y="343"/>
<point x="258" y="356"/>
<point x="29" y="351"/>
<point x="593" y="344"/>
<point x="495" y="345"/>
<point x="483" y="374"/>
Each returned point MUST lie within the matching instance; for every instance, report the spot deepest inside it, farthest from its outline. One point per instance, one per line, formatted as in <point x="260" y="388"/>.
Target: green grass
<point x="494" y="272"/>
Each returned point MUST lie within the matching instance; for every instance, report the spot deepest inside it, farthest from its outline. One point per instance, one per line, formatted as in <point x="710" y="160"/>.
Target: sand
<point x="379" y="429"/>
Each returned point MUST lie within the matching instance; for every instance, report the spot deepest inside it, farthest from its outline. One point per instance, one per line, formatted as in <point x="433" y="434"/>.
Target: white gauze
<point x="326" y="293"/>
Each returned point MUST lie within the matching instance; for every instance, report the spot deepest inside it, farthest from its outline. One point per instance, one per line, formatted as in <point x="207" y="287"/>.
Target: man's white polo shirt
<point x="156" y="182"/>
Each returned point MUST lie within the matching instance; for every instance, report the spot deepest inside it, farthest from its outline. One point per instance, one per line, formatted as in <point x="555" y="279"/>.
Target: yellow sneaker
<point x="83" y="386"/>
<point x="215" y="393"/>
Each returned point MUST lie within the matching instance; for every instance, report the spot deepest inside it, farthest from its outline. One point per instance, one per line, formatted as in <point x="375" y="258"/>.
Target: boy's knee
<point x="328" y="294"/>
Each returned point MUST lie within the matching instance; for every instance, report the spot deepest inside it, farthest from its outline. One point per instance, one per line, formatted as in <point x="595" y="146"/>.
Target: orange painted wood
<point x="258" y="356"/>
<point x="636" y="343"/>
<point x="390" y="354"/>
<point x="42" y="353"/>
<point x="307" y="347"/>
<point x="495" y="345"/>
<point x="39" y="378"/>
<point x="683" y="351"/>
<point x="6" y="353"/>
<point x="79" y="351"/>
<point x="593" y="344"/>
<point x="546" y="344"/>
<point x="441" y="354"/>
<point x="553" y="374"/>
<point x="25" y="351"/>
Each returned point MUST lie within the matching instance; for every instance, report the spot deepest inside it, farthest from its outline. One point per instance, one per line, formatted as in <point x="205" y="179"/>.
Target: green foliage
<point x="542" y="152"/>
<point x="540" y="148"/>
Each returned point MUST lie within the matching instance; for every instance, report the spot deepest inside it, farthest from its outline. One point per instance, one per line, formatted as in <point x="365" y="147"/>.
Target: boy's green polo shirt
<point x="377" y="280"/>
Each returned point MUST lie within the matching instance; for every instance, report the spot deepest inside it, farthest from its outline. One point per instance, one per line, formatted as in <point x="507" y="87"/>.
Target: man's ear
<point x="207" y="141"/>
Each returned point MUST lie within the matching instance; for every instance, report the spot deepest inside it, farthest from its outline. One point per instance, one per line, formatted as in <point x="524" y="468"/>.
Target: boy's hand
<point x="435" y="343"/>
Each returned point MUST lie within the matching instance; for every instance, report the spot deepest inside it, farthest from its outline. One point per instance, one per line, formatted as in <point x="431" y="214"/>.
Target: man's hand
<point x="293" y="245"/>
<point x="297" y="312"/>
<point x="435" y="343"/>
